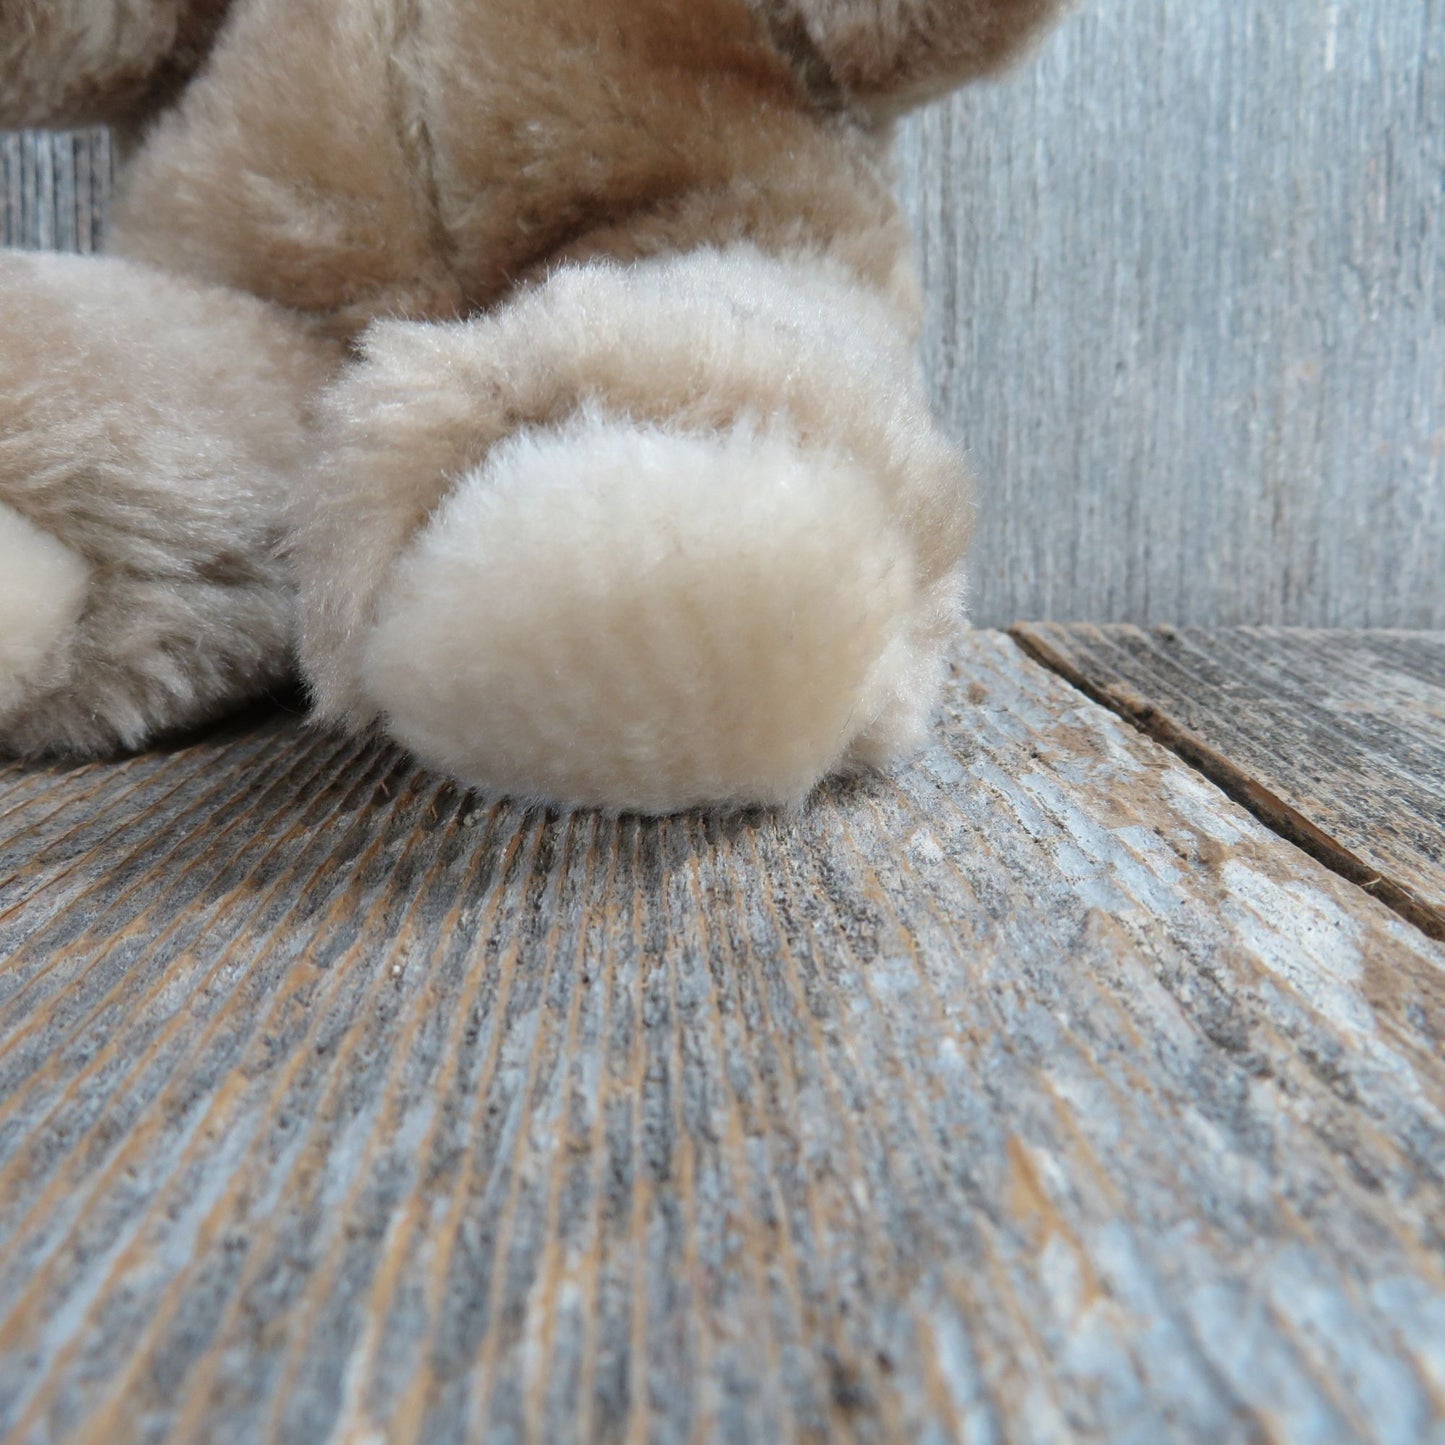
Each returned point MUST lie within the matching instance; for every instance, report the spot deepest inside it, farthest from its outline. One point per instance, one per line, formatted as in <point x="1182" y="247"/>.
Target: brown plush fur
<point x="508" y="136"/>
<point x="489" y="163"/>
<point x="78" y="62"/>
<point x="162" y="457"/>
<point x="698" y="344"/>
<point x="890" y="54"/>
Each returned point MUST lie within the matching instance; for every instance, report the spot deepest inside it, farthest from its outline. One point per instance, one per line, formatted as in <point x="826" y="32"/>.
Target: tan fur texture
<point x="887" y="55"/>
<point x="159" y="457"/>
<point x="43" y="590"/>
<point x="366" y="159"/>
<point x="718" y="361"/>
<point x="629" y="496"/>
<point x="669" y="618"/>
<point x="92" y="62"/>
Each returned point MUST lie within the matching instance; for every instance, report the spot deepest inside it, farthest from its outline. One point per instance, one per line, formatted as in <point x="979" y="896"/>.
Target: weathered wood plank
<point x="1336" y="739"/>
<point x="54" y="189"/>
<point x="1039" y="1092"/>
<point x="1184" y="273"/>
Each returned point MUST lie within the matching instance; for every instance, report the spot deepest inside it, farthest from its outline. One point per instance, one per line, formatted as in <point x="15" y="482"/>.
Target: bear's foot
<point x="650" y="537"/>
<point x="646" y="619"/>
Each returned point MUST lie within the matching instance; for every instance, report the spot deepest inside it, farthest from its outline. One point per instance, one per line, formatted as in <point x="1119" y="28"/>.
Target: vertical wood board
<point x="53" y="189"/>
<point x="1186" y="287"/>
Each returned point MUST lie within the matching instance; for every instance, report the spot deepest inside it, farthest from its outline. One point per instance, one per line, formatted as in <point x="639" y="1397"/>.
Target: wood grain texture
<point x="1186" y="279"/>
<point x="54" y="189"/>
<point x="1036" y="1093"/>
<point x="1336" y="739"/>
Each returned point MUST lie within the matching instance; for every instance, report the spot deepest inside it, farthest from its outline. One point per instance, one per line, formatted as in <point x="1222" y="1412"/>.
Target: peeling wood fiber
<point x="1336" y="740"/>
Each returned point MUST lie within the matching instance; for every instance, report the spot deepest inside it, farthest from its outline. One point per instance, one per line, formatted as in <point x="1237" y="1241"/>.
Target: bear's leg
<point x="677" y="534"/>
<point x="149" y="429"/>
<point x="98" y="62"/>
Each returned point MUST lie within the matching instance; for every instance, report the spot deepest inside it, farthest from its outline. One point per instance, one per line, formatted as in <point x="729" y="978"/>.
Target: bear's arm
<point x="888" y="56"/>
<point x="99" y="62"/>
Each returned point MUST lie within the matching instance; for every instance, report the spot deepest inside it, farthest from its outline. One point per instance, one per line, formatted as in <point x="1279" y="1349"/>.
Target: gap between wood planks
<point x="1232" y="778"/>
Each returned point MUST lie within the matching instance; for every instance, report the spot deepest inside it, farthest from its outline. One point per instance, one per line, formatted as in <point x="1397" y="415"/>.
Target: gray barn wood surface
<point x="1336" y="739"/>
<point x="54" y="189"/>
<point x="1036" y="1093"/>
<point x="1186" y="278"/>
<point x="1186" y="282"/>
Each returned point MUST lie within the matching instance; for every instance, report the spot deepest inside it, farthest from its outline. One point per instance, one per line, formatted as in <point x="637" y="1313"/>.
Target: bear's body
<point x="544" y="366"/>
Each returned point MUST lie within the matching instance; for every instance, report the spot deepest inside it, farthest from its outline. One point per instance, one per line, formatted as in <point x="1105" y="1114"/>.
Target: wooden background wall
<point x="1186" y="274"/>
<point x="53" y="190"/>
<point x="1187" y="277"/>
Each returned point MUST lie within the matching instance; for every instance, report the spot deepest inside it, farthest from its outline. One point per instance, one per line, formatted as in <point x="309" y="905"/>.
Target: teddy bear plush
<point x="539" y="374"/>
